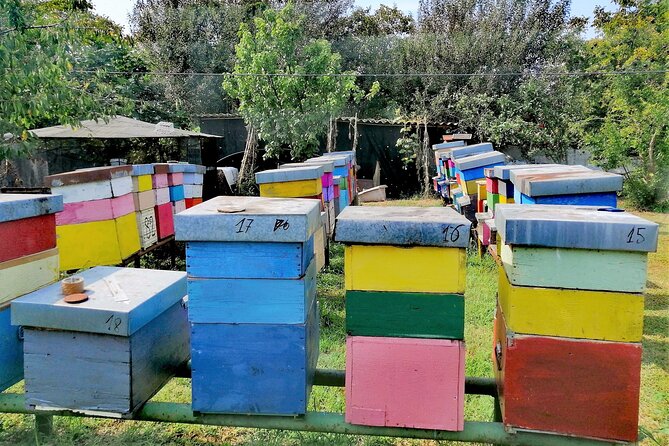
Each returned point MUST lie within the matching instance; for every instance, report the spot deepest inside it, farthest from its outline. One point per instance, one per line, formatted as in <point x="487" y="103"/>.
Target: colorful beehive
<point x="470" y="169"/>
<point x="28" y="261"/>
<point x="567" y="347"/>
<point x="98" y="225"/>
<point x="109" y="354"/>
<point x="441" y="154"/>
<point x="252" y="296"/>
<point x="193" y="177"/>
<point x="582" y="187"/>
<point x="145" y="203"/>
<point x="164" y="211"/>
<point x="465" y="151"/>
<point x="344" y="163"/>
<point x="405" y="349"/>
<point x="503" y="177"/>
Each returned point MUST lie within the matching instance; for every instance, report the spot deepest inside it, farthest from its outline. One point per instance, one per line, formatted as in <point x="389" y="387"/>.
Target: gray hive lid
<point x="404" y="226"/>
<point x="479" y="160"/>
<point x="504" y="172"/>
<point x="339" y="160"/>
<point x="249" y="219"/>
<point x="81" y="176"/>
<point x="349" y="153"/>
<point x="194" y="168"/>
<point x="474" y="149"/>
<point x="582" y="227"/>
<point x="120" y="301"/>
<point x="327" y="165"/>
<point x="516" y="174"/>
<point x="142" y="169"/>
<point x="448" y="145"/>
<point x="567" y="183"/>
<point x="20" y="206"/>
<point x="289" y="174"/>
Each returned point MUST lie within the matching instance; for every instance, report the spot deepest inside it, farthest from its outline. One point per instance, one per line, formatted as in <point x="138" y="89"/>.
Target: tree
<point x="287" y="84"/>
<point x="629" y="124"/>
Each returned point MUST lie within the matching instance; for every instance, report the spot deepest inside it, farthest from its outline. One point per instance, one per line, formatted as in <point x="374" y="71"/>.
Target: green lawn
<point x="480" y="304"/>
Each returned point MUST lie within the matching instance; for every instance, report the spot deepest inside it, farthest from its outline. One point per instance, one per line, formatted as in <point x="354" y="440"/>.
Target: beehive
<point x="405" y="354"/>
<point x="109" y="354"/>
<point x="28" y="261"/>
<point x="98" y="224"/>
<point x="145" y="202"/>
<point x="193" y="179"/>
<point x="570" y="317"/>
<point x="253" y="313"/>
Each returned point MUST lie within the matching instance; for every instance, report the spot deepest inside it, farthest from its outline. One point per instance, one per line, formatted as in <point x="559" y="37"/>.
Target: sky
<point x="118" y="10"/>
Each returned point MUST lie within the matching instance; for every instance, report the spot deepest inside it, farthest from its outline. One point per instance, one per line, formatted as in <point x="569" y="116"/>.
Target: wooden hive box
<point x="327" y="179"/>
<point x="175" y="179"/>
<point x="575" y="387"/>
<point x="108" y="355"/>
<point x="576" y="247"/>
<point x="177" y="193"/>
<point x="472" y="167"/>
<point x="142" y="180"/>
<point x="400" y="382"/>
<point x="291" y="182"/>
<point x="148" y="228"/>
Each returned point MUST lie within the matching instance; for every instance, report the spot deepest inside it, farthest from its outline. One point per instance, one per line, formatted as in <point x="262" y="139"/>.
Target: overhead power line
<point x="375" y="75"/>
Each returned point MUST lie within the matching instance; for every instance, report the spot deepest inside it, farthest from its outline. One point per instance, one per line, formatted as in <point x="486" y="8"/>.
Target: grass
<point x="480" y="304"/>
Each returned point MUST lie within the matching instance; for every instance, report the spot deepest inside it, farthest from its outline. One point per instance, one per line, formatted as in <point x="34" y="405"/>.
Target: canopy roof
<point x="117" y="127"/>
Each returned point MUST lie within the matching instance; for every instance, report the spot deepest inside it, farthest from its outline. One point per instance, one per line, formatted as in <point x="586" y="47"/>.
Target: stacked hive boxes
<point x="569" y="318"/>
<point x="175" y="181"/>
<point x="28" y="261"/>
<point x="98" y="224"/>
<point x="109" y="354"/>
<point x="145" y="203"/>
<point x="298" y="182"/>
<point x="458" y="188"/>
<point x="405" y="350"/>
<point x="502" y="180"/>
<point x="441" y="156"/>
<point x="577" y="185"/>
<point x="164" y="212"/>
<point x="344" y="168"/>
<point x="252" y="303"/>
<point x="193" y="181"/>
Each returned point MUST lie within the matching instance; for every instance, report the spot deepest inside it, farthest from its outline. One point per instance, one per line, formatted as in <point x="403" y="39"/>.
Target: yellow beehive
<point x="292" y="189"/>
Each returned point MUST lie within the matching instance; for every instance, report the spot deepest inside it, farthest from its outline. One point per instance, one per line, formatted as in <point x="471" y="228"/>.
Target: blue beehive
<point x="252" y="303"/>
<point x="109" y="354"/>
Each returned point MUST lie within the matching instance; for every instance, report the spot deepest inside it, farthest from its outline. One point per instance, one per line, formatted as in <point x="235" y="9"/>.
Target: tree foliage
<point x="278" y="84"/>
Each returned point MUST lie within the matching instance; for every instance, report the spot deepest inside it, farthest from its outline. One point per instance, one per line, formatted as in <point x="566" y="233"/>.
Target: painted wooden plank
<point x="289" y="174"/>
<point x="26" y="274"/>
<point x="252" y="301"/>
<point x="11" y="351"/>
<point x="332" y="216"/>
<point x="91" y="175"/>
<point x="505" y="188"/>
<point x="176" y="193"/>
<point x="476" y="173"/>
<point x="504" y="172"/>
<point x="327" y="165"/>
<point x="254" y="219"/>
<point x="159" y="180"/>
<point x="20" y="206"/>
<point x="583" y="269"/>
<point x="141" y="183"/>
<point x="175" y="168"/>
<point x="121" y="301"/>
<point x="147" y="227"/>
<point x="165" y="220"/>
<point x="394" y="225"/>
<point x="192" y="190"/>
<point x="413" y="269"/>
<point x="468" y="186"/>
<point x="178" y="206"/>
<point x="127" y="235"/>
<point x="142" y="169"/>
<point x="405" y="315"/>
<point x="175" y="179"/>
<point x="320" y="247"/>
<point x="585" y="227"/>
<point x="74" y="193"/>
<point x="121" y="186"/>
<point x="606" y="316"/>
<point x="574" y="387"/>
<point x="88" y="244"/>
<point x="399" y="382"/>
<point x="254" y="368"/>
<point x="190" y="202"/>
<point x="162" y="195"/>
<point x="447" y="145"/>
<point x="492" y="185"/>
<point x="95" y="210"/>
<point x="473" y="149"/>
<point x="193" y="178"/>
<point x="488" y="159"/>
<point x="505" y="200"/>
<point x="19" y="238"/>
<point x="252" y="260"/>
<point x="609" y="199"/>
<point x="536" y="184"/>
<point x="328" y="193"/>
<point x="302" y="188"/>
<point x="144" y="200"/>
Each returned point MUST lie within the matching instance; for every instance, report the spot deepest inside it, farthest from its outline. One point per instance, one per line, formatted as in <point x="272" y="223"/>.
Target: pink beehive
<point x="405" y="382"/>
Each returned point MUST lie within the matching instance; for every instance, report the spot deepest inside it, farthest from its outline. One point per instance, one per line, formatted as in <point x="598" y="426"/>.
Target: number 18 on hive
<point x="405" y="280"/>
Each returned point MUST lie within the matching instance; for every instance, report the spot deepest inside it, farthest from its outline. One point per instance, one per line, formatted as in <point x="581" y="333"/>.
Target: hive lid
<point x="20" y="206"/>
<point x="142" y="169"/>
<point x="515" y="174"/>
<point x="339" y="159"/>
<point x="120" y="301"/>
<point x="289" y="174"/>
<point x="175" y="168"/>
<point x="479" y="160"/>
<point x="249" y="219"/>
<point x="194" y="168"/>
<point x="474" y="149"/>
<point x="87" y="175"/>
<point x="327" y="165"/>
<point x="583" y="227"/>
<point x="566" y="182"/>
<point x="404" y="226"/>
<point x="504" y="172"/>
<point x="448" y="145"/>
